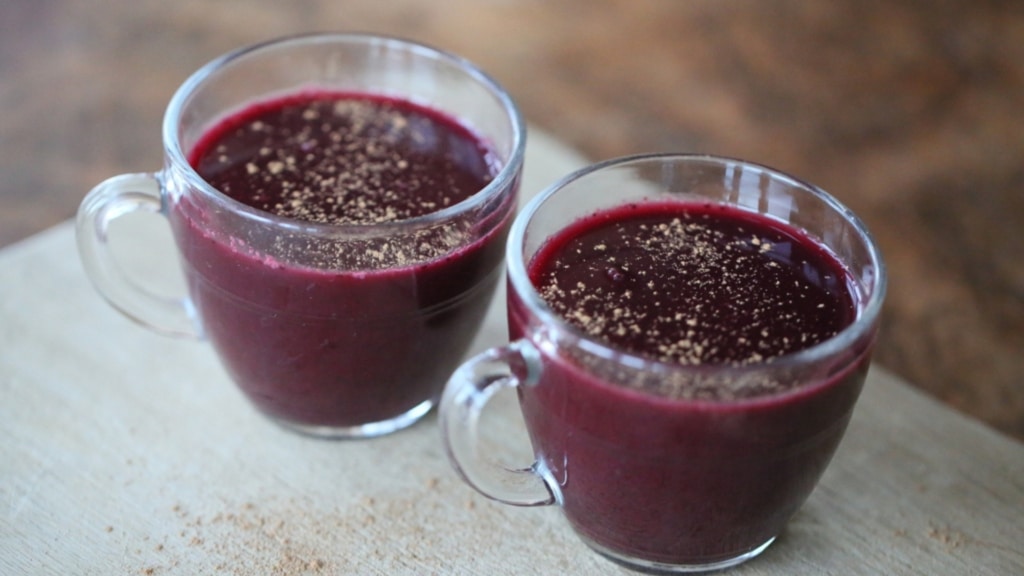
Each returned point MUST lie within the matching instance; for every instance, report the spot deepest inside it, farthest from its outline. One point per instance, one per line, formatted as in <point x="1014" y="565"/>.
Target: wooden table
<point x="908" y="112"/>
<point x="125" y="452"/>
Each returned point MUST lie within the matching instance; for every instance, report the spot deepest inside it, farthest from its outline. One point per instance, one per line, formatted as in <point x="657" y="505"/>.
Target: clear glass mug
<point x="325" y="351"/>
<point x="655" y="483"/>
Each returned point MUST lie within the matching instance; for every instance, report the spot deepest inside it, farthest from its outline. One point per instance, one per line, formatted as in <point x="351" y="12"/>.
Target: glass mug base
<point x="367" y="430"/>
<point x="652" y="567"/>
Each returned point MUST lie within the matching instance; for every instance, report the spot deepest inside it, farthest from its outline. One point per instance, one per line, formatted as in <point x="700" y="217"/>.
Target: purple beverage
<point x="689" y="335"/>
<point x="345" y="326"/>
<point x="705" y="464"/>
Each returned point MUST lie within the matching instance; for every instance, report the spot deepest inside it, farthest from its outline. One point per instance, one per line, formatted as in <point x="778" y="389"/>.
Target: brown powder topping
<point x="345" y="160"/>
<point x="349" y="159"/>
<point x="694" y="286"/>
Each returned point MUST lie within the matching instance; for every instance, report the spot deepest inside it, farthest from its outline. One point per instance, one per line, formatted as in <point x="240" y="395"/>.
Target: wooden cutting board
<point x="124" y="452"/>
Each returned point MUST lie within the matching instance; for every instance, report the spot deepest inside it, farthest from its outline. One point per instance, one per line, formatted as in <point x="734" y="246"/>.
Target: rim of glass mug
<point x="188" y="89"/>
<point x="868" y="310"/>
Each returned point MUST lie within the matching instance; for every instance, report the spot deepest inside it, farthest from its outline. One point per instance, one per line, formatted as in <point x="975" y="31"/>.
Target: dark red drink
<point x="702" y="464"/>
<point x="336" y="328"/>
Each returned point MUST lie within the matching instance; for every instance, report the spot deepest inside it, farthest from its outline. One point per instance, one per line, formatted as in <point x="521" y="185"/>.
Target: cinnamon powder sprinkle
<point x="351" y="160"/>
<point x="687" y="289"/>
<point x="347" y="161"/>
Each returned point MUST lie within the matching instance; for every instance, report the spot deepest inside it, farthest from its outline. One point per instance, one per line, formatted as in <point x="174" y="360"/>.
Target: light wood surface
<point x="125" y="452"/>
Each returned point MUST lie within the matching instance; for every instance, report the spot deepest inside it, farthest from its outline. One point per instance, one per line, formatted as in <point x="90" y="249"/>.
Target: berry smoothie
<point x="704" y="455"/>
<point x="346" y="328"/>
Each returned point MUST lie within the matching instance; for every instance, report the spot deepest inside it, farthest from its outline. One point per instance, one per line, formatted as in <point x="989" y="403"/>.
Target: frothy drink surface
<point x="694" y="284"/>
<point x="333" y="333"/>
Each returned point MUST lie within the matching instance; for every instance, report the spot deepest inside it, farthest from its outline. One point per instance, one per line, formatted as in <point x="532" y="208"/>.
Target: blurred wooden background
<point x="910" y="112"/>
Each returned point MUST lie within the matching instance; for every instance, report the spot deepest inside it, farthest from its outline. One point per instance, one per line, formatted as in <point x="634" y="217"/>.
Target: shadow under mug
<point x="654" y="483"/>
<point x="328" y="352"/>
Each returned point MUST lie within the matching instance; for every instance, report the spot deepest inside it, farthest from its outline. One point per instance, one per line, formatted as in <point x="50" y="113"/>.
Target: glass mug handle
<point x="467" y="392"/>
<point x="108" y="201"/>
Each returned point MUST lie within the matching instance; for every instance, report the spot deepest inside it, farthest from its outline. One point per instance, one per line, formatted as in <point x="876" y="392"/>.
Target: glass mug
<point x="651" y="482"/>
<point x="322" y="349"/>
